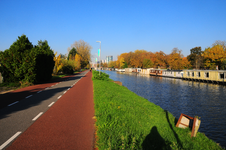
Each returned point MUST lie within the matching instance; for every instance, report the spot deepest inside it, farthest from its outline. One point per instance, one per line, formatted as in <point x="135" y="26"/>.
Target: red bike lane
<point x="68" y="124"/>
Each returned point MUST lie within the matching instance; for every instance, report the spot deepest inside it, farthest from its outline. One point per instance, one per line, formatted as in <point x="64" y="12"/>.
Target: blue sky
<point x="121" y="25"/>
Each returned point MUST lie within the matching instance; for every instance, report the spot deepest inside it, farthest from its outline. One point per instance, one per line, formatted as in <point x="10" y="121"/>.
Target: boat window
<point x="222" y="75"/>
<point x="192" y="74"/>
<point x="207" y="74"/>
<point x="188" y="73"/>
<point x="198" y="74"/>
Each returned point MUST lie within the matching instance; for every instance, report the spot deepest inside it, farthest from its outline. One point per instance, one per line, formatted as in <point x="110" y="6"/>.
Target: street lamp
<point x="99" y="55"/>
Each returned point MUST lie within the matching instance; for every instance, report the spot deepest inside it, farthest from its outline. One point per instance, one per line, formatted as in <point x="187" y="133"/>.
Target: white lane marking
<point x="10" y="140"/>
<point x="68" y="89"/>
<point x="29" y="96"/>
<point x="51" y="104"/>
<point x="59" y="97"/>
<point x="37" y="116"/>
<point x="71" y="85"/>
<point x="46" y="88"/>
<point x="13" y="103"/>
<point x="39" y="91"/>
<point x="65" y="92"/>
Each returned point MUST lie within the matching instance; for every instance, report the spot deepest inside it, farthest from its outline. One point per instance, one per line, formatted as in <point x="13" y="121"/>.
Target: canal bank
<point x="126" y="120"/>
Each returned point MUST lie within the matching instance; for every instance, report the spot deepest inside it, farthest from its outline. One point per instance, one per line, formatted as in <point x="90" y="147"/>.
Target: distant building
<point x="109" y="58"/>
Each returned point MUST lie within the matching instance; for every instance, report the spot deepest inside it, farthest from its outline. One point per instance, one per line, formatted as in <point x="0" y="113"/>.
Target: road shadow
<point x="26" y="103"/>
<point x="18" y="95"/>
<point x="155" y="141"/>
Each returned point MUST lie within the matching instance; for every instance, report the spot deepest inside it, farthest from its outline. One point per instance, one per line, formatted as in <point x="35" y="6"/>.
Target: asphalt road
<point x="18" y="116"/>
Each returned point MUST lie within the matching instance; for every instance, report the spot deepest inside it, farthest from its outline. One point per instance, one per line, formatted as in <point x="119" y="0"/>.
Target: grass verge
<point x="125" y="120"/>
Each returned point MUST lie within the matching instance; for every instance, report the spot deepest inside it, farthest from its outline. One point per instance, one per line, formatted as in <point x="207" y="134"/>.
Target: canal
<point x="204" y="100"/>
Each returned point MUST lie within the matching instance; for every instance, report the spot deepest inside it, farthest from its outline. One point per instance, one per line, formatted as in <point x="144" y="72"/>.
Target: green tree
<point x="72" y="54"/>
<point x="25" y="62"/>
<point x="44" y="61"/>
<point x="196" y="57"/>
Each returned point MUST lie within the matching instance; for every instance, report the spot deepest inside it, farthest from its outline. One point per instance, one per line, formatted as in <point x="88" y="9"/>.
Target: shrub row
<point x="27" y="63"/>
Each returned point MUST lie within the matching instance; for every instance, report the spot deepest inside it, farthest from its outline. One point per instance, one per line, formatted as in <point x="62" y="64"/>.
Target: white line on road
<point x="46" y="88"/>
<point x="9" y="140"/>
<point x="29" y="96"/>
<point x="68" y="89"/>
<point x="71" y="85"/>
<point x="59" y="97"/>
<point x="37" y="116"/>
<point x="13" y="103"/>
<point x="65" y="92"/>
<point x="39" y="91"/>
<point x="51" y="104"/>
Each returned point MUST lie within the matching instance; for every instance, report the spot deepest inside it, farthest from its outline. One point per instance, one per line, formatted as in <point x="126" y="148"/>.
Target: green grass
<point x="128" y="121"/>
<point x="58" y="76"/>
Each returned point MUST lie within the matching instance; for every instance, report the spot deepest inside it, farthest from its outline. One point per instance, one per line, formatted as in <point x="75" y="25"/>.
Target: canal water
<point x="207" y="101"/>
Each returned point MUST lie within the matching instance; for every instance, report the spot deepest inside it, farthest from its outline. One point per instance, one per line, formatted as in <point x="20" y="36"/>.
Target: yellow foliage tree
<point x="186" y="64"/>
<point x="58" y="64"/>
<point x="214" y="56"/>
<point x="77" y="62"/>
<point x="122" y="62"/>
<point x="175" y="59"/>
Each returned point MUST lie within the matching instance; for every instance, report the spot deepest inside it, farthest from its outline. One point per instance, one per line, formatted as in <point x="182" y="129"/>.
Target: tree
<point x="196" y="57"/>
<point x="77" y="62"/>
<point x="72" y="54"/>
<point x="214" y="56"/>
<point x="159" y="59"/>
<point x="185" y="63"/>
<point x="175" y="59"/>
<point x="122" y="62"/>
<point x="44" y="61"/>
<point x="27" y="63"/>
<point x="219" y="42"/>
<point x="84" y="50"/>
<point x="58" y="64"/>
<point x="147" y="63"/>
<point x="112" y="64"/>
<point x="62" y="56"/>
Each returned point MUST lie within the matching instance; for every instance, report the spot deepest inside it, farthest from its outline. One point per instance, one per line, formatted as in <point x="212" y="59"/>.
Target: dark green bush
<point x="102" y="76"/>
<point x="27" y="63"/>
<point x="67" y="69"/>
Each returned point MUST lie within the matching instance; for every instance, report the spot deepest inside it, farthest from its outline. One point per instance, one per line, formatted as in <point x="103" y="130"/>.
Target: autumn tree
<point x="58" y="64"/>
<point x="137" y="57"/>
<point x="175" y="59"/>
<point x="219" y="42"/>
<point x="159" y="59"/>
<point x="196" y="57"/>
<point x="84" y="50"/>
<point x="77" y="62"/>
<point x="185" y="63"/>
<point x="112" y="64"/>
<point x="147" y="63"/>
<point x="215" y="56"/>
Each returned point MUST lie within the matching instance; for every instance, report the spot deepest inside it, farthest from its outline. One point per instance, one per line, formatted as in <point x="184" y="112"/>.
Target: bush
<point x="102" y="76"/>
<point x="27" y="63"/>
<point x="67" y="69"/>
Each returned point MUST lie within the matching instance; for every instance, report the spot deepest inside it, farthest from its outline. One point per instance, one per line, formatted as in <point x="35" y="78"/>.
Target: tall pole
<point x="99" y="57"/>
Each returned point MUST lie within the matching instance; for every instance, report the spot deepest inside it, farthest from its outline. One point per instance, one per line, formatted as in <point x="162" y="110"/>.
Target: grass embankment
<point x="128" y="121"/>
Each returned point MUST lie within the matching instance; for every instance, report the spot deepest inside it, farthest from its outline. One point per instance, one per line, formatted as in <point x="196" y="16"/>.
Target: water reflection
<point x="179" y="96"/>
